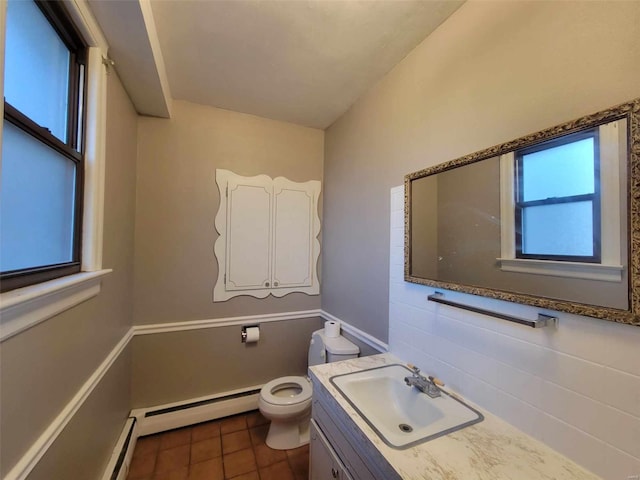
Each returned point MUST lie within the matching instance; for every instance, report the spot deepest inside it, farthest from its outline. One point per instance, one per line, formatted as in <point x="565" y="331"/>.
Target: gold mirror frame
<point x="630" y="111"/>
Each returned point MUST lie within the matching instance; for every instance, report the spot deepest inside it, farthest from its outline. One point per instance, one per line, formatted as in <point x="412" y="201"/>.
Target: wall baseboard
<point x="167" y="421"/>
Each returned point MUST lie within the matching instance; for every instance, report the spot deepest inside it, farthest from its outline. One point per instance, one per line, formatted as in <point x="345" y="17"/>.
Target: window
<point x="552" y="196"/>
<point x="557" y="205"/>
<point x="41" y="196"/>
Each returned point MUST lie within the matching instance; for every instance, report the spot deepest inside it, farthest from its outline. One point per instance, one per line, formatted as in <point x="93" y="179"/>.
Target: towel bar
<point x="542" y="321"/>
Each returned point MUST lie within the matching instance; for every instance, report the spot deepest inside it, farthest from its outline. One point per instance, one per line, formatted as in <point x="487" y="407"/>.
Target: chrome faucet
<point x="428" y="385"/>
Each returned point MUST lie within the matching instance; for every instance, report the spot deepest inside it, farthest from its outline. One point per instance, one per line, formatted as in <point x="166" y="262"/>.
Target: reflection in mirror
<point x="542" y="220"/>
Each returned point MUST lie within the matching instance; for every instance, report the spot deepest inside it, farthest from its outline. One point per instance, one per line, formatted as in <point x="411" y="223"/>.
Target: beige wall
<point x="85" y="445"/>
<point x="43" y="367"/>
<point x="493" y="72"/>
<point x="175" y="366"/>
<point x="177" y="201"/>
<point x="175" y="268"/>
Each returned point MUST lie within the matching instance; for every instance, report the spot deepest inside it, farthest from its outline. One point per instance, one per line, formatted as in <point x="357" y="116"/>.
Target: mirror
<point x="550" y="219"/>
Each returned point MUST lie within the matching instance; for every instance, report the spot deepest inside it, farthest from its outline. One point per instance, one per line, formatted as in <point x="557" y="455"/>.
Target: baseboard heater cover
<point x="160" y="419"/>
<point x="177" y="408"/>
<point x="118" y="466"/>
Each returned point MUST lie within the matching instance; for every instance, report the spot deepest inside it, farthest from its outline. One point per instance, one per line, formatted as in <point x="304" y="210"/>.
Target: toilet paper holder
<point x="244" y="331"/>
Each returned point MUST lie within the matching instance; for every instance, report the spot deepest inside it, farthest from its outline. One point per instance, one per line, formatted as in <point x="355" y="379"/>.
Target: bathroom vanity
<point x="344" y="446"/>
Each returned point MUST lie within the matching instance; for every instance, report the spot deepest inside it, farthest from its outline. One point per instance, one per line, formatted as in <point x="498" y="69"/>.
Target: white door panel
<point x="248" y="236"/>
<point x="292" y="238"/>
<point x="268" y="236"/>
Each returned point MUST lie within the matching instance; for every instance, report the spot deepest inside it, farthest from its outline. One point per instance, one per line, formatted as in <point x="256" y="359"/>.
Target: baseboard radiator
<point x="118" y="466"/>
<point x="147" y="421"/>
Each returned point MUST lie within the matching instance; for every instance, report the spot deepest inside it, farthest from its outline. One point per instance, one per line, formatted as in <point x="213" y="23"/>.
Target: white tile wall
<point x="576" y="388"/>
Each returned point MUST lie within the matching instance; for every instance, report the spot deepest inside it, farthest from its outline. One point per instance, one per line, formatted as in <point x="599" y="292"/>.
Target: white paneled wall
<point x="576" y="388"/>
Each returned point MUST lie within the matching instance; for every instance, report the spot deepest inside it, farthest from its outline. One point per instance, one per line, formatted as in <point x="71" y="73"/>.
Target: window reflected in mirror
<point x="540" y="220"/>
<point x="557" y="204"/>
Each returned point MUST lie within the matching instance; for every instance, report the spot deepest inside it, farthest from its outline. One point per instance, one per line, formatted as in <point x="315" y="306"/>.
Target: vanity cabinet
<point x="324" y="463"/>
<point x="340" y="448"/>
<point x="268" y="241"/>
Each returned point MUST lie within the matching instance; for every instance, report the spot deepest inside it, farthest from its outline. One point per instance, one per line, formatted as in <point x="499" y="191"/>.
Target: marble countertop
<point x="489" y="450"/>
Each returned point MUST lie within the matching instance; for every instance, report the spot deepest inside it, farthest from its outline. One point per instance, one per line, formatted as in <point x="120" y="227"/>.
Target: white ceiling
<point x="304" y="62"/>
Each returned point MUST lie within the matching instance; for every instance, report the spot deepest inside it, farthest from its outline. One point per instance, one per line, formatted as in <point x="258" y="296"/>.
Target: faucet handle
<point x="413" y="368"/>
<point x="436" y="381"/>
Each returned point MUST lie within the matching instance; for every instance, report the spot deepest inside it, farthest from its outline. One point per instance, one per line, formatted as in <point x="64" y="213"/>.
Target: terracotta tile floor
<point x="228" y="448"/>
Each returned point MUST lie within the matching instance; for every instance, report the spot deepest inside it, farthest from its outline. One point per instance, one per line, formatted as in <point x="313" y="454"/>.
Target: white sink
<point x="401" y="415"/>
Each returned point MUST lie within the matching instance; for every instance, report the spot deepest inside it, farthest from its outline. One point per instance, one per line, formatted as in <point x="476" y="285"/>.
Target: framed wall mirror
<point x="550" y="219"/>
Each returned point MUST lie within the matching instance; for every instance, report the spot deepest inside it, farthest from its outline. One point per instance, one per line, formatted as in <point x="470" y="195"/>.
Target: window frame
<point x="595" y="198"/>
<point x="26" y="307"/>
<point x="614" y="134"/>
<point x="72" y="149"/>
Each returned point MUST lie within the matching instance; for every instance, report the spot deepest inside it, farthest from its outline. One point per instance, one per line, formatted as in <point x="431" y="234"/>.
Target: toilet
<point x="286" y="401"/>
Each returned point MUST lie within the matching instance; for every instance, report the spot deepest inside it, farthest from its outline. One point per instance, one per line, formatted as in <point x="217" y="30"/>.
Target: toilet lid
<point x="286" y="390"/>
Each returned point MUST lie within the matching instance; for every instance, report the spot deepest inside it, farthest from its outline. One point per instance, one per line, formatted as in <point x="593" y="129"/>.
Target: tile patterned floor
<point x="224" y="449"/>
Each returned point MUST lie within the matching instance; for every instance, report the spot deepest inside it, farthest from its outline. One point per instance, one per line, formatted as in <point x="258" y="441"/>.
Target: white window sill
<point x="25" y="307"/>
<point x="587" y="271"/>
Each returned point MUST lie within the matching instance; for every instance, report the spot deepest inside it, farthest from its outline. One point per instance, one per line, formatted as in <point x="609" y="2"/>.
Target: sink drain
<point x="405" y="428"/>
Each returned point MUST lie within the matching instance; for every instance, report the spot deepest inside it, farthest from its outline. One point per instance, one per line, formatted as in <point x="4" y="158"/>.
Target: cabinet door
<point x="268" y="236"/>
<point x="249" y="205"/>
<point x="293" y="233"/>
<point x="324" y="463"/>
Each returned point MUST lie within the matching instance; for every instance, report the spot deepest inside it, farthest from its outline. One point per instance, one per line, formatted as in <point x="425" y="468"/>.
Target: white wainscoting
<point x="576" y="388"/>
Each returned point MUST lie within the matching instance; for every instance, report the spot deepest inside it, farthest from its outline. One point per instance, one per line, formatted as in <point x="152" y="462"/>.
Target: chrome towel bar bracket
<point x="542" y="321"/>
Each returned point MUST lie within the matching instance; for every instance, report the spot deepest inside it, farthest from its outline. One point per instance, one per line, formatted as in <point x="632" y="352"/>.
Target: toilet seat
<point x="269" y="391"/>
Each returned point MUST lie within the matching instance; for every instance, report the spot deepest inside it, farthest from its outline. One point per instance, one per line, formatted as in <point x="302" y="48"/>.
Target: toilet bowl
<point x="286" y="401"/>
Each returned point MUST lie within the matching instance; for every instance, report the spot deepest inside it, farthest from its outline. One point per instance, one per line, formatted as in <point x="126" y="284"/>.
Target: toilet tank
<point x="324" y="349"/>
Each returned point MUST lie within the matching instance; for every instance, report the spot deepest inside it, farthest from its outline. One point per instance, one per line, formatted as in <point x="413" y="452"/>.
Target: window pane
<point x="560" y="171"/>
<point x="36" y="203"/>
<point x="36" y="79"/>
<point x="559" y="229"/>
